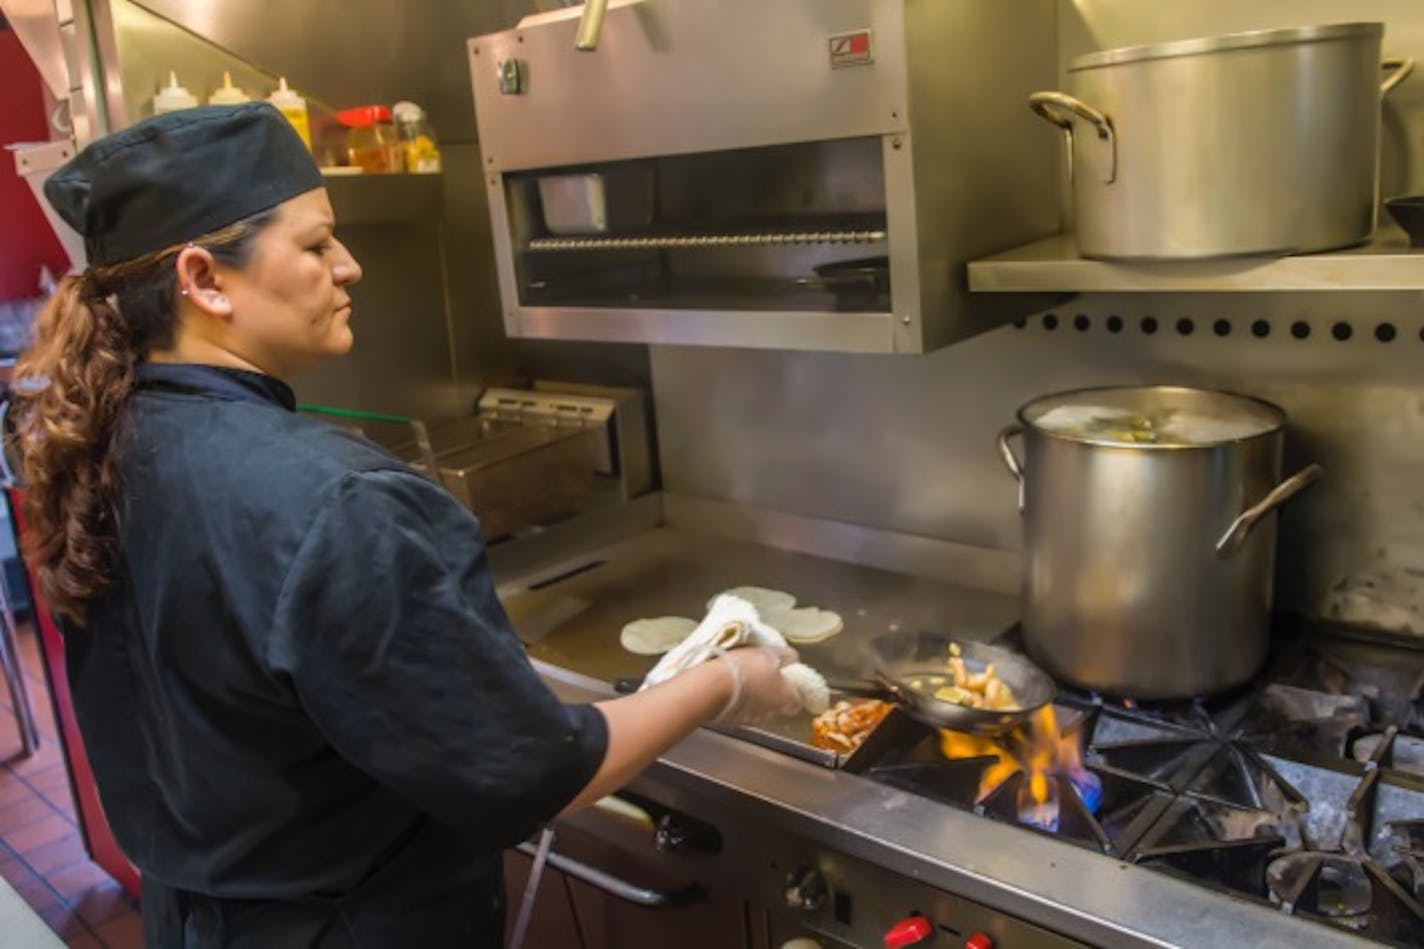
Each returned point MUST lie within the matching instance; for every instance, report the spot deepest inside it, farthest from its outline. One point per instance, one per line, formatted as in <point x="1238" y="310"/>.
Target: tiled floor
<point x="41" y="852"/>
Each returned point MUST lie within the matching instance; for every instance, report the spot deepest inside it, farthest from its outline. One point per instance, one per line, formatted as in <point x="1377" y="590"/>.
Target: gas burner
<point x="1124" y="809"/>
<point x="1095" y="806"/>
<point x="1297" y="721"/>
<point x="1390" y="749"/>
<point x="1303" y="790"/>
<point x="1332" y="885"/>
<point x="1388" y="680"/>
<point x="1353" y="893"/>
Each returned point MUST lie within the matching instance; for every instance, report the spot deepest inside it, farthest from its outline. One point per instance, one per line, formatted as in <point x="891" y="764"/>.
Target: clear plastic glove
<point x="759" y="690"/>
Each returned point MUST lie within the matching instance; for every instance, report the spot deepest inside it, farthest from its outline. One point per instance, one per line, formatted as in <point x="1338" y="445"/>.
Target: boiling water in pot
<point x="1167" y="427"/>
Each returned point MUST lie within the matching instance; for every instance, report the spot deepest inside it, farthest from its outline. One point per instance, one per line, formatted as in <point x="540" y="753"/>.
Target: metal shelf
<point x="1054" y="264"/>
<point x="673" y="241"/>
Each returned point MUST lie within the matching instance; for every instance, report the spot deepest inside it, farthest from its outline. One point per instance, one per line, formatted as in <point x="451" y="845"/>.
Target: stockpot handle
<point x="1052" y="106"/>
<point x="1011" y="461"/>
<point x="1402" y="66"/>
<point x="1240" y="528"/>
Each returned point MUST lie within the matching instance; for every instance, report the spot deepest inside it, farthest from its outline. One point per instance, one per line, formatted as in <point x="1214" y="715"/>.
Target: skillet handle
<point x="863" y="688"/>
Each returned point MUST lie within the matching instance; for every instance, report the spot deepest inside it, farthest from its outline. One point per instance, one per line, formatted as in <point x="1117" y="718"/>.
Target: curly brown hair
<point x="69" y="392"/>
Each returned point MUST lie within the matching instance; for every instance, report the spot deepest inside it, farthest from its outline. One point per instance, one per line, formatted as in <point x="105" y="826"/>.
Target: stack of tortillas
<point x="800" y="626"/>
<point x="807" y="624"/>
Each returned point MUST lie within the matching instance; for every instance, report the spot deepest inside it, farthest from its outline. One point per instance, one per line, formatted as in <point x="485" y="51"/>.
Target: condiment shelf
<point x="1054" y="264"/>
<point x="385" y="199"/>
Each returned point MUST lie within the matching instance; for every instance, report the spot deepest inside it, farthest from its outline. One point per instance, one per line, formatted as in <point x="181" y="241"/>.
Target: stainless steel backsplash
<point x="907" y="443"/>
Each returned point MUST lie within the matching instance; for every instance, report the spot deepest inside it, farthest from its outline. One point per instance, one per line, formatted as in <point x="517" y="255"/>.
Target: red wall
<point x="26" y="241"/>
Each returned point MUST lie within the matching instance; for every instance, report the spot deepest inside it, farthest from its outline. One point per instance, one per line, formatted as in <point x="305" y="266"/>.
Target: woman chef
<point x="310" y="721"/>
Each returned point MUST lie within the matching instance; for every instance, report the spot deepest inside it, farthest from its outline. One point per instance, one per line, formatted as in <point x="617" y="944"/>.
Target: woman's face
<point x="289" y="303"/>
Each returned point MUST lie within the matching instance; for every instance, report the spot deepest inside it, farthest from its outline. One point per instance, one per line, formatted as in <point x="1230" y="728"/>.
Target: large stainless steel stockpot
<point x="1149" y="536"/>
<point x="1252" y="143"/>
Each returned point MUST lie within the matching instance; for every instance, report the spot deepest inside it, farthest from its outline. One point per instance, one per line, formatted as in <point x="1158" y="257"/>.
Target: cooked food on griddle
<point x="845" y="725"/>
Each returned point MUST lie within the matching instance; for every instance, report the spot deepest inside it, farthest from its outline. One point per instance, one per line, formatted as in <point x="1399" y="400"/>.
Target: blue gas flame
<point x="1090" y="789"/>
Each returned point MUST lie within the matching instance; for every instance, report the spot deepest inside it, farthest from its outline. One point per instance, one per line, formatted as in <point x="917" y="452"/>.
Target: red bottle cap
<point x="908" y="932"/>
<point x="364" y="115"/>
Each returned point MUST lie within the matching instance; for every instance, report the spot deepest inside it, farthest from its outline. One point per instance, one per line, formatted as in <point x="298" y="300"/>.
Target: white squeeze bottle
<point x="228" y="94"/>
<point x="294" y="107"/>
<point x="173" y="97"/>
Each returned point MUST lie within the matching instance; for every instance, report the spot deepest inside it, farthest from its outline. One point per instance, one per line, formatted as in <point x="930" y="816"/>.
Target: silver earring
<point x="182" y="293"/>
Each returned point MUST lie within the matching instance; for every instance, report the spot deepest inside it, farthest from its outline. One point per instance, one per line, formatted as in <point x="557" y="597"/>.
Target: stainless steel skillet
<point x="908" y="668"/>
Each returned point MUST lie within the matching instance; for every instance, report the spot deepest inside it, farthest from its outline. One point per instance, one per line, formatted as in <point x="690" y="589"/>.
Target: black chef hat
<point x="178" y="176"/>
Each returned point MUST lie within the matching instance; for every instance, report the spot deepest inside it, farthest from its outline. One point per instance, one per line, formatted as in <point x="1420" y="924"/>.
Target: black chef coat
<point x="308" y="716"/>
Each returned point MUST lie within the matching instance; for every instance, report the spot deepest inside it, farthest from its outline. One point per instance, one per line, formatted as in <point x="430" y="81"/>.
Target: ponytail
<point x="71" y="386"/>
<point x="70" y="390"/>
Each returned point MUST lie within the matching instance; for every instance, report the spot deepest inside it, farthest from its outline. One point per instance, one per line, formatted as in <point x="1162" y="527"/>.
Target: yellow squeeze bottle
<point x="294" y="107"/>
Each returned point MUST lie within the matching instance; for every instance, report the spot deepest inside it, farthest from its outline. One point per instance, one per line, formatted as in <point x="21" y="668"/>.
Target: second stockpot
<point x="1251" y="143"/>
<point x="1149" y="541"/>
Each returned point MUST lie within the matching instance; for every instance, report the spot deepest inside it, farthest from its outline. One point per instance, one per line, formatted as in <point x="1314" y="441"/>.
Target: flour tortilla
<point x="766" y="601"/>
<point x="809" y="624"/>
<point x="653" y="637"/>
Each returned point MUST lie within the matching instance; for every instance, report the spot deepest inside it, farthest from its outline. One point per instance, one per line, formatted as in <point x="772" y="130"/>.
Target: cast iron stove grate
<point x="1303" y="791"/>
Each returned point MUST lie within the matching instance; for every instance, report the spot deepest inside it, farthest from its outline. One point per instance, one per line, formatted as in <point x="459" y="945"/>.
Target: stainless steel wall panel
<point x="661" y="68"/>
<point x="982" y="165"/>
<point x="907" y="445"/>
<point x="352" y="52"/>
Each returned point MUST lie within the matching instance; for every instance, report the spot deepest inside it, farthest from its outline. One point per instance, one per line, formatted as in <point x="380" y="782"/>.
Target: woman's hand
<point x="759" y="690"/>
<point x="739" y="687"/>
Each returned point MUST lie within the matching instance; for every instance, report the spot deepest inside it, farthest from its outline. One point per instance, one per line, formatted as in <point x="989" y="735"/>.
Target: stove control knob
<point x="672" y="835"/>
<point x="910" y="931"/>
<point x="806" y="889"/>
<point x="979" y="941"/>
<point x="683" y="835"/>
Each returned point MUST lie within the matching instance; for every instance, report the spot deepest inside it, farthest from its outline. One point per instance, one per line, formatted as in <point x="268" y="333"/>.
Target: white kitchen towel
<point x="733" y="622"/>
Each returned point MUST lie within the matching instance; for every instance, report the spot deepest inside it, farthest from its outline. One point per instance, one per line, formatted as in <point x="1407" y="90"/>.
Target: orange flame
<point x="957" y="745"/>
<point x="1041" y="751"/>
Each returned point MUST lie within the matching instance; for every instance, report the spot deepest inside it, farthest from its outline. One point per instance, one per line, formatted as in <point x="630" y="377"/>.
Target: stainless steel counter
<point x="572" y="615"/>
<point x="573" y="619"/>
<point x="1081" y="894"/>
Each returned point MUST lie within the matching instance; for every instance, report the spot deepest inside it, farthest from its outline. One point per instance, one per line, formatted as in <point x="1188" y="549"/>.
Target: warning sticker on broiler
<point x="851" y="49"/>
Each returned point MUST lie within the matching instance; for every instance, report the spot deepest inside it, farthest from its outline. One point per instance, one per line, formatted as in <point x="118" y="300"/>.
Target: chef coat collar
<point x="239" y="385"/>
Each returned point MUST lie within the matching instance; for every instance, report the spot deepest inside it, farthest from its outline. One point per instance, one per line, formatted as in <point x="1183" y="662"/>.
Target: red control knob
<point x="908" y="932"/>
<point x="979" y="941"/>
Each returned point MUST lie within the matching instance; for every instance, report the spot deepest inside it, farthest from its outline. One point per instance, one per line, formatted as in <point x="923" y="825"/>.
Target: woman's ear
<point x="199" y="283"/>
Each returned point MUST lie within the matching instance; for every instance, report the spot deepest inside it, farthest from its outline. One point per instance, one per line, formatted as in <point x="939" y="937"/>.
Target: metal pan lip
<point x="1273" y="418"/>
<point x="1247" y="39"/>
